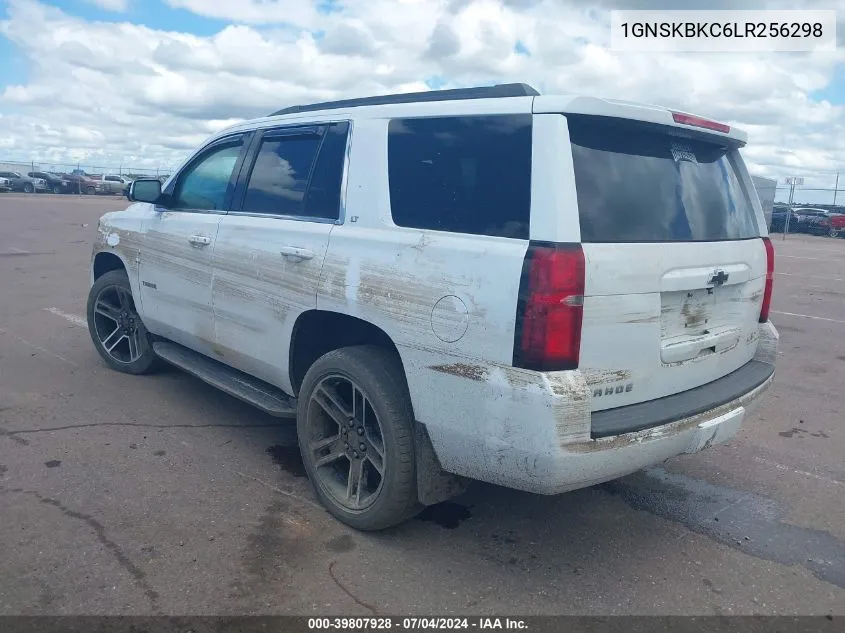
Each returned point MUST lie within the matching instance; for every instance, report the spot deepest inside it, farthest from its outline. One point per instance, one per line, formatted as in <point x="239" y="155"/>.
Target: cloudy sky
<point x="142" y="82"/>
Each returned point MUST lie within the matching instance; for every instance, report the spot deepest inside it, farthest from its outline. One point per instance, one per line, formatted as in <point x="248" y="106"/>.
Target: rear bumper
<point x="536" y="435"/>
<point x="584" y="464"/>
<point x="639" y="417"/>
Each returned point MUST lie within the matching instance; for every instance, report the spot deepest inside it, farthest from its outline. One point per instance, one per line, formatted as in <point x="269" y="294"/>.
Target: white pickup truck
<point x="110" y="183"/>
<point x="541" y="292"/>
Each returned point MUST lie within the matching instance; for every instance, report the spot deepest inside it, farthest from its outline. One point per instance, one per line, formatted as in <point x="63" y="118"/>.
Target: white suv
<point x="541" y="292"/>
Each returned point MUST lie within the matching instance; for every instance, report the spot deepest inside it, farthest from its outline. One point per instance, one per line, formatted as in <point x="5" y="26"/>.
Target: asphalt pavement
<point x="160" y="495"/>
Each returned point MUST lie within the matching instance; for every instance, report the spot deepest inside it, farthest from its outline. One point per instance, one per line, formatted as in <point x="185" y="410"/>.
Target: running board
<point x="256" y="392"/>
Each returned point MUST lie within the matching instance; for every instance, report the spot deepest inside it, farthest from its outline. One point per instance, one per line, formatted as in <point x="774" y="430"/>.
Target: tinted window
<point x="638" y="183"/>
<point x="323" y="200"/>
<point x="205" y="183"/>
<point x="279" y="179"/>
<point x="462" y="174"/>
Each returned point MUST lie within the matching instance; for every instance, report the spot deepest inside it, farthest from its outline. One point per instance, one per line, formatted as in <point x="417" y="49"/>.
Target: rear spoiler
<point x="551" y="104"/>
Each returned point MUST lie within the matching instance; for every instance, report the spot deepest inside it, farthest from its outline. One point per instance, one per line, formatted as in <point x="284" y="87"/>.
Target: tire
<point x="114" y="293"/>
<point x="28" y="188"/>
<point x="90" y="191"/>
<point x="833" y="233"/>
<point x="57" y="189"/>
<point x="380" y="380"/>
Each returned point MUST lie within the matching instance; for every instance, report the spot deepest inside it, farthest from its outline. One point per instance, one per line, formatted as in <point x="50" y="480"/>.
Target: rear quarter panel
<point x="447" y="301"/>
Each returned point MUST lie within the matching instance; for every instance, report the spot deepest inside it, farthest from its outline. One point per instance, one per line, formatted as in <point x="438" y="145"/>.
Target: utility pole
<point x="791" y="181"/>
<point x="835" y="187"/>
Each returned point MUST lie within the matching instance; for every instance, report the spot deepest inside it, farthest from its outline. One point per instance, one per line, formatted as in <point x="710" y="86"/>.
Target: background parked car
<point x="779" y="214"/>
<point x="815" y="221"/>
<point x="19" y="182"/>
<point x="80" y="183"/>
<point x="110" y="183"/>
<point x="837" y="225"/>
<point x="55" y="183"/>
<point x="808" y="220"/>
<point x="5" y="185"/>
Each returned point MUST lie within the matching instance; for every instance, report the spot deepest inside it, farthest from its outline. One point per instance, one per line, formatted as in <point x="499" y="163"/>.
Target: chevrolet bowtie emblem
<point x="719" y="278"/>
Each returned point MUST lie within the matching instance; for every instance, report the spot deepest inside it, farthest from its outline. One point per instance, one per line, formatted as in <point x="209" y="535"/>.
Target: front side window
<point x="205" y="184"/>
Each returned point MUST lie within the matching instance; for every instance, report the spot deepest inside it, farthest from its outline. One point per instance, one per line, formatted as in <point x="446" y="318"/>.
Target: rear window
<point x="638" y="183"/>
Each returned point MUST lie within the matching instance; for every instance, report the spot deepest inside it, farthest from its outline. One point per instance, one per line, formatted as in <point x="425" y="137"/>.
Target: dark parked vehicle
<point x="19" y="182"/>
<point x="808" y="219"/>
<point x="55" y="183"/>
<point x="814" y="221"/>
<point x="779" y="214"/>
<point x="802" y="220"/>
<point x="80" y="183"/>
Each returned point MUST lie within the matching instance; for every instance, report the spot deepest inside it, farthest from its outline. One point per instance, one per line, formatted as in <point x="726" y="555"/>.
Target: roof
<point x="498" y="99"/>
<point x="459" y="94"/>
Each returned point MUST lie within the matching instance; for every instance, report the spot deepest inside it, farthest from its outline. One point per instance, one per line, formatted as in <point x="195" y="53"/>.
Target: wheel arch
<point x="105" y="262"/>
<point x="317" y="332"/>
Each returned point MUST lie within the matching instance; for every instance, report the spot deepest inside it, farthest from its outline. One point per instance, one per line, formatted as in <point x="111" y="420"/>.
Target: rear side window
<point x="298" y="175"/>
<point x="279" y="179"/>
<point x="638" y="183"/>
<point x="323" y="199"/>
<point x="462" y="174"/>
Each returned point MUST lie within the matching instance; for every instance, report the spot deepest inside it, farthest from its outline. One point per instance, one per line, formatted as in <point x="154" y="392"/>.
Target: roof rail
<point x="457" y="94"/>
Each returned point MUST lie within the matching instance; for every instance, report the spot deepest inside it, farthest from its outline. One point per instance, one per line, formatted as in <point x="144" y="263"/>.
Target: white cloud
<point x="124" y="92"/>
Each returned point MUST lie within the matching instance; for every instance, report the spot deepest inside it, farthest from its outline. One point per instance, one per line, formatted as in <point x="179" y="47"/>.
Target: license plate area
<point x="699" y="322"/>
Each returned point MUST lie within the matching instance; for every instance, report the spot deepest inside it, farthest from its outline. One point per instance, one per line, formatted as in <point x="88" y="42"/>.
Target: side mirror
<point x="145" y="190"/>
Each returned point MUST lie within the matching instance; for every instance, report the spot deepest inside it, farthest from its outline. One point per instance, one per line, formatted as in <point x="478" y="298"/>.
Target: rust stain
<point x="473" y="372"/>
<point x="694" y="315"/>
<point x="601" y="376"/>
<point x="569" y="391"/>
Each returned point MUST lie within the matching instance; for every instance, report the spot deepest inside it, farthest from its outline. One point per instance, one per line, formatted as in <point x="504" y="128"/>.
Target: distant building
<point x="766" y="192"/>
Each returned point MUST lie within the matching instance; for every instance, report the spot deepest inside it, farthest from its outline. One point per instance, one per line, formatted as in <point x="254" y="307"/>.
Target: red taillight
<point x="770" y="277"/>
<point x="551" y="307"/>
<point x="697" y="121"/>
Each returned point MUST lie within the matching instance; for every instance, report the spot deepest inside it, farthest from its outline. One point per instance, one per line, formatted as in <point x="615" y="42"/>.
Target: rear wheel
<point x="115" y="326"/>
<point x="90" y="191"/>
<point x="355" y="430"/>
<point x="57" y="188"/>
<point x="28" y="188"/>
<point x="833" y="233"/>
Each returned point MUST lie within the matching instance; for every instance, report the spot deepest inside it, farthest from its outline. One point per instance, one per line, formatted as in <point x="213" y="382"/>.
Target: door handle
<point x="199" y="240"/>
<point x="297" y="254"/>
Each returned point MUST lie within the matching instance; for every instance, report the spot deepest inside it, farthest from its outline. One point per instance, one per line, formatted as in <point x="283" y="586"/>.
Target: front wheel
<point x="90" y="191"/>
<point x="57" y="189"/>
<point x="115" y="326"/>
<point x="355" y="430"/>
<point x="28" y="188"/>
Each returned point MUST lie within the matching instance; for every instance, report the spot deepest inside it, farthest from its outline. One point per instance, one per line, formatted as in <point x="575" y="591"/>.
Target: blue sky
<point x="835" y="90"/>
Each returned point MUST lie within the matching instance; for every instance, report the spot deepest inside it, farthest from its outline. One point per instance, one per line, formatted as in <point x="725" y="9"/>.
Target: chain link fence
<point x="86" y="169"/>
